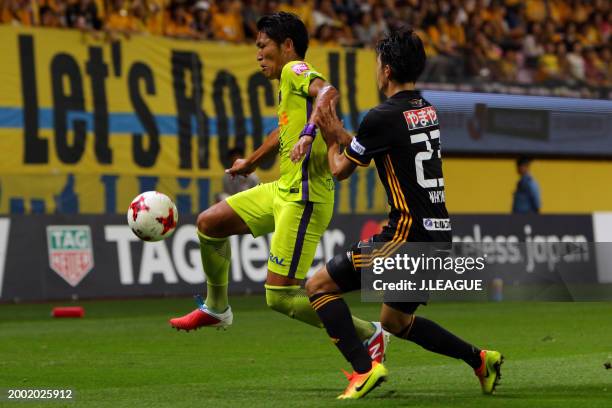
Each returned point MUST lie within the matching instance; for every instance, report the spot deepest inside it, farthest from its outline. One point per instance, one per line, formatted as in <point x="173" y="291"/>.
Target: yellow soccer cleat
<point x="489" y="373"/>
<point x="361" y="384"/>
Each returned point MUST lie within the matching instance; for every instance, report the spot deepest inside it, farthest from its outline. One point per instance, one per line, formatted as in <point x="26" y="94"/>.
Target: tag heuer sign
<point x="70" y="251"/>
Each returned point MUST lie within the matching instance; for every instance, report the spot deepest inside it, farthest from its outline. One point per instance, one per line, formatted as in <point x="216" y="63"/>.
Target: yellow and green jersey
<point x="310" y="179"/>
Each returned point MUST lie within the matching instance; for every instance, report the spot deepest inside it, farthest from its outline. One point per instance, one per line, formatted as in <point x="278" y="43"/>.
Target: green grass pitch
<point x="124" y="354"/>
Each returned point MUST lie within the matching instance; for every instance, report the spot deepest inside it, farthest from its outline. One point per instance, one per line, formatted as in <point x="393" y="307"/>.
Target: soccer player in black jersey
<point x="403" y="137"/>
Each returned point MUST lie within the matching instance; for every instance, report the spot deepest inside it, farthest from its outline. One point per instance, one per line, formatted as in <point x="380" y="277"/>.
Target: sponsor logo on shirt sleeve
<point x="301" y="68"/>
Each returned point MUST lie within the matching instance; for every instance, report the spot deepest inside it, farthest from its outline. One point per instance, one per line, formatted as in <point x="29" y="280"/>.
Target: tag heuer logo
<point x="70" y="251"/>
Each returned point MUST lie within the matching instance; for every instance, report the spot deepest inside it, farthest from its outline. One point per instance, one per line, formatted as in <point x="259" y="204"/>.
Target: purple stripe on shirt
<point x="305" y="192"/>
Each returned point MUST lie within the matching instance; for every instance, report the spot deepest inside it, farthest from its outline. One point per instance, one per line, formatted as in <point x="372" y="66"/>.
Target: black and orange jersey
<point x="402" y="135"/>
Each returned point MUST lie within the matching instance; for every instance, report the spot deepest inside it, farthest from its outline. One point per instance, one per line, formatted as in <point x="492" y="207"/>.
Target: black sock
<point x="435" y="338"/>
<point x="336" y="317"/>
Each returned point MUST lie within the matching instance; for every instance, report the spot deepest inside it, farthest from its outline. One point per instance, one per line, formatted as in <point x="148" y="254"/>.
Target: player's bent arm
<point x="341" y="167"/>
<point x="270" y="145"/>
<point x="324" y="93"/>
<point x="244" y="167"/>
<point x="342" y="136"/>
<point x="331" y="127"/>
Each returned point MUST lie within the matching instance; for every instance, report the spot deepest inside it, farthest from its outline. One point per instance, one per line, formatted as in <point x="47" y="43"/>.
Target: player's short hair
<point x="403" y="51"/>
<point x="280" y="26"/>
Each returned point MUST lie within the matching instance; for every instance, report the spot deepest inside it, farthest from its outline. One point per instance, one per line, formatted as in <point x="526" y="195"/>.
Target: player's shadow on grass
<point x="564" y="391"/>
<point x="321" y="390"/>
<point x="528" y="394"/>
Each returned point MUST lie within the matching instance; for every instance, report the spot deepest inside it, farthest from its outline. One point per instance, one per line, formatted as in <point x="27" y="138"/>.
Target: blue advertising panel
<point x="484" y="123"/>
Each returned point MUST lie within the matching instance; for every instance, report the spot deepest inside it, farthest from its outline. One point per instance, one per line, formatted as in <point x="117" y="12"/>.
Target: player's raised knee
<point x="210" y="221"/>
<point x="391" y="326"/>
<point x="311" y="285"/>
<point x="320" y="282"/>
<point x="205" y="222"/>
<point x="397" y="323"/>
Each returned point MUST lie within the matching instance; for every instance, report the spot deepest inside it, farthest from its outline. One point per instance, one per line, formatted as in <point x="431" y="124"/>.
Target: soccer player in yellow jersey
<point x="297" y="207"/>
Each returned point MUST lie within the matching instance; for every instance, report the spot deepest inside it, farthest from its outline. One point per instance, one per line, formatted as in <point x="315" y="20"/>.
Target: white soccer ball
<point x="152" y="216"/>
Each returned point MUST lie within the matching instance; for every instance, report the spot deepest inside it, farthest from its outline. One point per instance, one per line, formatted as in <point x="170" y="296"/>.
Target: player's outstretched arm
<point x="334" y="135"/>
<point x="334" y="127"/>
<point x="325" y="95"/>
<point x="340" y="166"/>
<point x="244" y="167"/>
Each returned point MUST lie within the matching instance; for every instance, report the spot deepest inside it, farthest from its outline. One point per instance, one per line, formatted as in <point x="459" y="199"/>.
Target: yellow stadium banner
<point x="86" y="124"/>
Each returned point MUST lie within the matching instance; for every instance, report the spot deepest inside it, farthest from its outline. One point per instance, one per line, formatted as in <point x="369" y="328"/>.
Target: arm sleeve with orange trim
<point x="367" y="143"/>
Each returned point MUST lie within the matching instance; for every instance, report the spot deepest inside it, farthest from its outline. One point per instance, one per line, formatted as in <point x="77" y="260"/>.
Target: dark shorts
<point x="348" y="278"/>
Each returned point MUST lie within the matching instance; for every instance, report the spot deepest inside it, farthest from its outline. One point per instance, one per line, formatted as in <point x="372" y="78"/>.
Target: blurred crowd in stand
<point x="550" y="43"/>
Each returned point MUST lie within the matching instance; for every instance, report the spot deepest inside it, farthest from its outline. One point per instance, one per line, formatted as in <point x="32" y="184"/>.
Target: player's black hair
<point x="523" y="160"/>
<point x="280" y="26"/>
<point x="403" y="51"/>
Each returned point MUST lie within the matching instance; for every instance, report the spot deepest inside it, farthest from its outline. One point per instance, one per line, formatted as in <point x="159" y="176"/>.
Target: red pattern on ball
<point x="138" y="205"/>
<point x="168" y="222"/>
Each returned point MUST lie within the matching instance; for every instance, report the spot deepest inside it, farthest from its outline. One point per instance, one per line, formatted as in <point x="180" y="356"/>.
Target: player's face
<point x="269" y="56"/>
